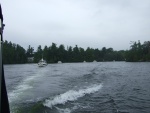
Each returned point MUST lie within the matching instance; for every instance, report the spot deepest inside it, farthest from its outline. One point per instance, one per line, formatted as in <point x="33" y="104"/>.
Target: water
<point x="101" y="87"/>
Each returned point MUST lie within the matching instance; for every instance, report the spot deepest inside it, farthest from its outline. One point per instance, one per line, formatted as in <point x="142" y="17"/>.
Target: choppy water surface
<point x="102" y="87"/>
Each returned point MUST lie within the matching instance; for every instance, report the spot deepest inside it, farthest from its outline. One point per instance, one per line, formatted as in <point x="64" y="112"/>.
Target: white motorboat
<point x="42" y="63"/>
<point x="94" y="61"/>
<point x="59" y="62"/>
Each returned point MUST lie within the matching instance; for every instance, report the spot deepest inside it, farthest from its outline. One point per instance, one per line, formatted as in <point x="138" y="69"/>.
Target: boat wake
<point x="20" y="89"/>
<point x="71" y="95"/>
<point x="23" y="86"/>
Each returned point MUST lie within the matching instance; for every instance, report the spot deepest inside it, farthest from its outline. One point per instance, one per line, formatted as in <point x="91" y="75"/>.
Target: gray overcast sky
<point x="86" y="23"/>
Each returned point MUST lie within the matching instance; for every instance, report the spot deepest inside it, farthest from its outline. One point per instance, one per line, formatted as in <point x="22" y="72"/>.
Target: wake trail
<point x="22" y="87"/>
<point x="71" y="95"/>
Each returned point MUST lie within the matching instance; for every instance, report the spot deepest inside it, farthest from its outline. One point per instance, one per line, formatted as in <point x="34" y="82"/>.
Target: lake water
<point x="101" y="87"/>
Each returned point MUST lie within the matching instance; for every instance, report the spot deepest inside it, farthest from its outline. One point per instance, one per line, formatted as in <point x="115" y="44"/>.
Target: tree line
<point x="139" y="52"/>
<point x="15" y="54"/>
<point x="54" y="53"/>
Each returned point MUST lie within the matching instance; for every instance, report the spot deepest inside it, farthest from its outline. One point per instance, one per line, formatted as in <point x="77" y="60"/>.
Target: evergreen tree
<point x="30" y="51"/>
<point x="13" y="54"/>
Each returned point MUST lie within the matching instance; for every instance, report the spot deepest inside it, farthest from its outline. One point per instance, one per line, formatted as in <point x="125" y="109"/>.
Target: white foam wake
<point x="18" y="91"/>
<point x="71" y="95"/>
<point x="21" y="88"/>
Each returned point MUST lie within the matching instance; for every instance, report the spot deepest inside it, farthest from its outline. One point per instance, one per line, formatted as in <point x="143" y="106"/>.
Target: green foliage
<point x="139" y="52"/>
<point x="13" y="54"/>
<point x="30" y="51"/>
<point x="53" y="54"/>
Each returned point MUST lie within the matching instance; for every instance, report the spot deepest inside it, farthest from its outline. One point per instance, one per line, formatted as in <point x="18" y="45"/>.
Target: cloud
<point x="93" y="23"/>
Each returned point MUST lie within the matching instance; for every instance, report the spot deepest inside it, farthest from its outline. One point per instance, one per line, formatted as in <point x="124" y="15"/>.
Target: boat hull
<point x="42" y="65"/>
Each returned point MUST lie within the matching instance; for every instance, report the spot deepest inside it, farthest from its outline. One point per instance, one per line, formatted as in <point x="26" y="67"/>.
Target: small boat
<point x="59" y="62"/>
<point x="42" y="63"/>
<point x="94" y="61"/>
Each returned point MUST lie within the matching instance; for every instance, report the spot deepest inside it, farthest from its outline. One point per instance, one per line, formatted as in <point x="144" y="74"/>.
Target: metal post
<point x="0" y="64"/>
<point x="4" y="104"/>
